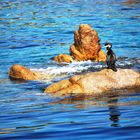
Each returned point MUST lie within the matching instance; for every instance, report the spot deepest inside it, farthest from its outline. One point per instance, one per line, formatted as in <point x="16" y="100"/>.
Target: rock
<point x="96" y="83"/>
<point x="63" y="58"/>
<point x="22" y="73"/>
<point x="86" y="44"/>
<point x="57" y="86"/>
<point x="101" y="56"/>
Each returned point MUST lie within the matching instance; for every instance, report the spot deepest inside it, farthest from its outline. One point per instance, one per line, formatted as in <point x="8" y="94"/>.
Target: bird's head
<point x="108" y="45"/>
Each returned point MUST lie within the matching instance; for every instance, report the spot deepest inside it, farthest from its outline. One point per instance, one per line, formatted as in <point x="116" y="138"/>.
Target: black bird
<point x="110" y="57"/>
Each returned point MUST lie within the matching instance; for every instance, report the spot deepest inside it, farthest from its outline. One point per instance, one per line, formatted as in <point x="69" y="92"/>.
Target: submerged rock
<point x="22" y="73"/>
<point x="86" y="46"/>
<point x="96" y="83"/>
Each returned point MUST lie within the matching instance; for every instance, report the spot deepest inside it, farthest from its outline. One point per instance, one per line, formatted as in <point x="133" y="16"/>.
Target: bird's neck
<point x="109" y="51"/>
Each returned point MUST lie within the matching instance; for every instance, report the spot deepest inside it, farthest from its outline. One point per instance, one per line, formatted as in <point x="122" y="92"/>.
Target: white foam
<point x="69" y="68"/>
<point x="125" y="63"/>
<point x="65" y="70"/>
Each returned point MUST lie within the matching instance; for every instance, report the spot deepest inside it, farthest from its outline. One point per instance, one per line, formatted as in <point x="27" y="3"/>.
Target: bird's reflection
<point x="114" y="111"/>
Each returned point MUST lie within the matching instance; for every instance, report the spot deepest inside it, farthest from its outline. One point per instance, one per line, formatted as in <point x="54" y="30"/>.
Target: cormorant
<point x="110" y="57"/>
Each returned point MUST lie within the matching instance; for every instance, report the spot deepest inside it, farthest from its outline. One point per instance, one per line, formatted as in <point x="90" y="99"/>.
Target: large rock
<point x="22" y="73"/>
<point x="86" y="44"/>
<point x="96" y="83"/>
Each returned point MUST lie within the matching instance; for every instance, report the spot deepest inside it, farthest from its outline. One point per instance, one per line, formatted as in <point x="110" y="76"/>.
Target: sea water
<point x="34" y="31"/>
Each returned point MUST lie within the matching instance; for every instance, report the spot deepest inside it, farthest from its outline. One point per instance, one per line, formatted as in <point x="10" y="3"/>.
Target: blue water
<point x="31" y="33"/>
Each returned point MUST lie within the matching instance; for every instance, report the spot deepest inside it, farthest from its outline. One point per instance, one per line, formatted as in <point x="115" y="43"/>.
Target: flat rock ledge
<point x="92" y="84"/>
<point x="96" y="83"/>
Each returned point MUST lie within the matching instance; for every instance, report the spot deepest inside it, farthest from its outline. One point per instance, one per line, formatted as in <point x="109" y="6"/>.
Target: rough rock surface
<point x="63" y="58"/>
<point x="101" y="56"/>
<point x="86" y="43"/>
<point x="86" y="46"/>
<point x="96" y="83"/>
<point x="22" y="73"/>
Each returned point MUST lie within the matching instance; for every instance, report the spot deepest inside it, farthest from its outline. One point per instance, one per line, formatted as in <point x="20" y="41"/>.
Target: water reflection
<point x="114" y="111"/>
<point x="131" y="2"/>
<point x="110" y="104"/>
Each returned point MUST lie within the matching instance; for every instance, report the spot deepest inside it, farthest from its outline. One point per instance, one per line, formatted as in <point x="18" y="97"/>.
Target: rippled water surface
<point x="31" y="33"/>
